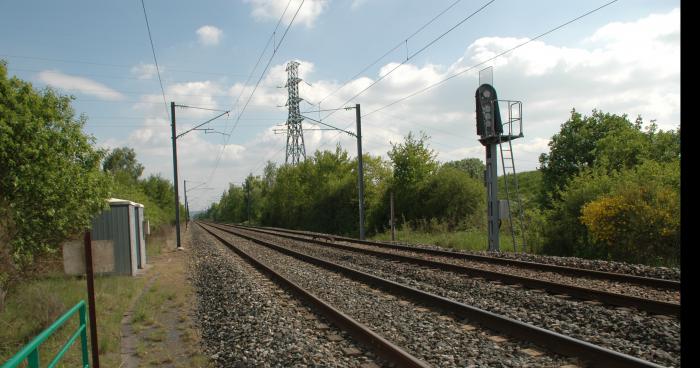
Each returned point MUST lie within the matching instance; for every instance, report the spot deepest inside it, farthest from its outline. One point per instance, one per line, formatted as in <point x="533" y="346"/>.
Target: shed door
<point x="138" y="237"/>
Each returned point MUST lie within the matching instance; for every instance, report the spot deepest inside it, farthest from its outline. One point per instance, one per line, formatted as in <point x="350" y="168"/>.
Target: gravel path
<point x="248" y="321"/>
<point x="438" y="339"/>
<point x="591" y="283"/>
<point x="654" y="338"/>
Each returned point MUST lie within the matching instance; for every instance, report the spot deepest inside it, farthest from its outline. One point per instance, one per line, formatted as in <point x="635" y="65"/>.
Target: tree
<point x="574" y="148"/>
<point x="453" y="197"/>
<point x="413" y="163"/>
<point x="605" y="141"/>
<point x="50" y="181"/>
<point x="474" y="167"/>
<point x="123" y="160"/>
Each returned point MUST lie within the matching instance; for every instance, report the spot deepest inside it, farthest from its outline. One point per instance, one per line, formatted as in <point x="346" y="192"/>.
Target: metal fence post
<point x="83" y="336"/>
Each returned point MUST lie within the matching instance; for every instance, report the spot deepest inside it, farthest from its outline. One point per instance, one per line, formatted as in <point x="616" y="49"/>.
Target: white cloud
<point x="87" y="86"/>
<point x="265" y="10"/>
<point x="145" y="71"/>
<point x="550" y="80"/>
<point x="357" y="3"/>
<point x="209" y="35"/>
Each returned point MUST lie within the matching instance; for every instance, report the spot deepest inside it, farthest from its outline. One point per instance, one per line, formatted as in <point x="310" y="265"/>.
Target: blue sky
<point x="624" y="58"/>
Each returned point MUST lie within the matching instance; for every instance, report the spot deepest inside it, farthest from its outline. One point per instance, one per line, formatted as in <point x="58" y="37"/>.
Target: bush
<point x="637" y="222"/>
<point x="632" y="215"/>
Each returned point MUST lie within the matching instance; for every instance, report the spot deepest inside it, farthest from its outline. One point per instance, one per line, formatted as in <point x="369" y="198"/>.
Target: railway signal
<point x="490" y="129"/>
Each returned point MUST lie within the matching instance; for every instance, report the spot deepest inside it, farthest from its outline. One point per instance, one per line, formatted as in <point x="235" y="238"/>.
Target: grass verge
<point x="35" y="304"/>
<point x="474" y="240"/>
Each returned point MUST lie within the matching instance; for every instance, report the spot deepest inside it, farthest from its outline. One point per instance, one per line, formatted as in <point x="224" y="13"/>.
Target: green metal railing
<point x="30" y="352"/>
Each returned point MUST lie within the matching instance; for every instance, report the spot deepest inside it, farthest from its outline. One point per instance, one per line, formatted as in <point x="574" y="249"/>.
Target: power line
<point x="73" y="61"/>
<point x="263" y="52"/>
<point x="415" y="54"/>
<point x="153" y="49"/>
<point x="105" y="75"/>
<point x="403" y="42"/>
<point x="135" y="93"/>
<point x="274" y="52"/>
<point x="431" y="86"/>
<point x="481" y="63"/>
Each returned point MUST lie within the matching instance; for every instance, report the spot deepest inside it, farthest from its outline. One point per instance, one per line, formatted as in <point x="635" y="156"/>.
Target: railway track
<point x="564" y="270"/>
<point x="524" y="332"/>
<point x="599" y="292"/>
<point x="258" y="322"/>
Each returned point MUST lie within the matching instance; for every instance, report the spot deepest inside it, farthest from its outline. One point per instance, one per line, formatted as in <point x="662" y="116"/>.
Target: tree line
<point x="608" y="188"/>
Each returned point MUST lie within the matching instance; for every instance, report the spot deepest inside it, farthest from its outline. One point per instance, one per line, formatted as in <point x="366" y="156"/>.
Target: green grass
<point x="475" y="240"/>
<point x="34" y="305"/>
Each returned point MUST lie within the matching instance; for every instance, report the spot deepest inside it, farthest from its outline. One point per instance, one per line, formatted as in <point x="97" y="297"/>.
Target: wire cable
<point x="153" y="49"/>
<point x="414" y="54"/>
<point x="402" y="43"/>
<point x="262" y="75"/>
<point x="431" y="86"/>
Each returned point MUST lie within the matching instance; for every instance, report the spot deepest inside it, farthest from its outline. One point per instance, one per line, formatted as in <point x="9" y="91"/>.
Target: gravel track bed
<point x="667" y="273"/>
<point x="438" y="339"/>
<point x="248" y="321"/>
<point x="637" y="333"/>
<point x="590" y="283"/>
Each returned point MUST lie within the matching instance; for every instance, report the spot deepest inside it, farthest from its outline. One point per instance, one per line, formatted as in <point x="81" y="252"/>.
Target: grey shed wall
<point x="113" y="224"/>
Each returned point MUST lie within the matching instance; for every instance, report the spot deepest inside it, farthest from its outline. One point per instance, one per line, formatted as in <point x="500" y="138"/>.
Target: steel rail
<point x="649" y="305"/>
<point x="380" y="345"/>
<point x="558" y="343"/>
<point x="573" y="271"/>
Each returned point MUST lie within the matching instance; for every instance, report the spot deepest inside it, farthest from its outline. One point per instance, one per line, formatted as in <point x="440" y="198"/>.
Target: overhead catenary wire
<point x="431" y="86"/>
<point x="155" y="59"/>
<point x="73" y="61"/>
<point x="402" y="43"/>
<point x="262" y="75"/>
<point x="408" y="58"/>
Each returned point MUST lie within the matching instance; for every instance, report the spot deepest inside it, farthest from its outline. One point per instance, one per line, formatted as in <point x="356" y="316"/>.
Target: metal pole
<point x="187" y="207"/>
<point x="177" y="193"/>
<point x="492" y="193"/>
<point x="360" y="172"/>
<point x="91" y="300"/>
<point x="393" y="221"/>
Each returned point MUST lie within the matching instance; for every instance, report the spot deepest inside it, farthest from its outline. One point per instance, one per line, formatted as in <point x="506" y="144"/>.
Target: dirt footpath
<point x="158" y="330"/>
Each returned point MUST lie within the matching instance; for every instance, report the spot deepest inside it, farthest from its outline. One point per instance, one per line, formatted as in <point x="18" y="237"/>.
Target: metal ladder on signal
<point x="510" y="180"/>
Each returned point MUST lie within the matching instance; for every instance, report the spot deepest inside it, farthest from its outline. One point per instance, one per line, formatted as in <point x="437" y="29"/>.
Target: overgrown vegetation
<point x="611" y="190"/>
<point x="320" y="194"/>
<point x="53" y="181"/>
<point x="608" y="188"/>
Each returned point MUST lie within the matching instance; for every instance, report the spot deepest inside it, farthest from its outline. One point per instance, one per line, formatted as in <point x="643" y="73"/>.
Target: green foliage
<point x="124" y="187"/>
<point x="611" y="189"/>
<point x="640" y="220"/>
<point x="413" y="163"/>
<point x="321" y="193"/>
<point x="49" y="172"/>
<point x="632" y="215"/>
<point x="154" y="192"/>
<point x="529" y="186"/>
<point x="474" y="167"/>
<point x="452" y="196"/>
<point x="123" y="159"/>
<point x="574" y="149"/>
